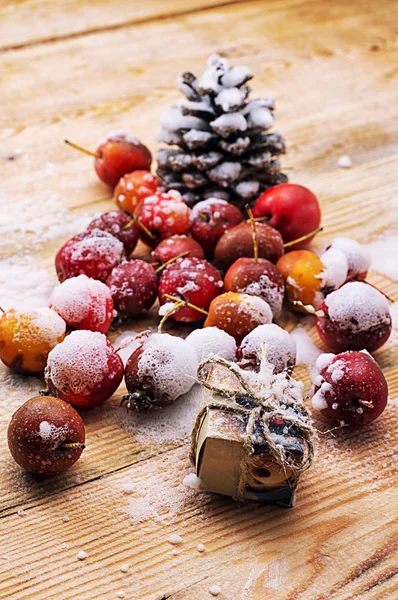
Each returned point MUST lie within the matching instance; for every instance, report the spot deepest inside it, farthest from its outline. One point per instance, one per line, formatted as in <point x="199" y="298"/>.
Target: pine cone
<point x="217" y="137"/>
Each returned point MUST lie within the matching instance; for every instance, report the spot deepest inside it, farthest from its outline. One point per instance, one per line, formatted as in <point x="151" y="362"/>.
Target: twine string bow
<point x="266" y="406"/>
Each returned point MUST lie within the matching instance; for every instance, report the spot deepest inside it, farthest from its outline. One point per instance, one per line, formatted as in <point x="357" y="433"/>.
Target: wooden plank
<point x="339" y="540"/>
<point x="42" y="21"/>
<point x="332" y="72"/>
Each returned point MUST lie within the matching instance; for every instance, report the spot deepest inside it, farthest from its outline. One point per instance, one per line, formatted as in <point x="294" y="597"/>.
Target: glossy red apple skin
<point x="237" y="242"/>
<point x="174" y="246"/>
<point x="362" y="380"/>
<point x="193" y="280"/>
<point x="119" y="154"/>
<point x="260" y="278"/>
<point x="209" y="221"/>
<point x="292" y="209"/>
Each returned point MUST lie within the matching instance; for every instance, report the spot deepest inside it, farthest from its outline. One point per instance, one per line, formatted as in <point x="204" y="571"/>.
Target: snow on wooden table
<point x="103" y="530"/>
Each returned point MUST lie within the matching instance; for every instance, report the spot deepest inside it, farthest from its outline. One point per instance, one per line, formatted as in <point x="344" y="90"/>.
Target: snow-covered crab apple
<point x="133" y="188"/>
<point x="159" y="371"/>
<point x="292" y="209"/>
<point x="84" y="369"/>
<point x="133" y="285"/>
<point x="280" y="348"/>
<point x="349" y="387"/>
<point x="174" y="246"/>
<point x="309" y="277"/>
<point x="187" y="287"/>
<point x="238" y="242"/>
<point x="238" y="314"/>
<point x="259" y="278"/>
<point x="115" y="223"/>
<point x="26" y="338"/>
<point x="162" y="215"/>
<point x="358" y="257"/>
<point x="46" y="436"/>
<point x="355" y="317"/>
<point x="92" y="253"/>
<point x="118" y="154"/>
<point x="210" y="218"/>
<point x="83" y="303"/>
<point x="212" y="341"/>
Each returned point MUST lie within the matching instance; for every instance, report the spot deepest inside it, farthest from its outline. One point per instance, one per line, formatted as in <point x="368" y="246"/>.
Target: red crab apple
<point x="84" y="369"/>
<point x="356" y="316"/>
<point x="292" y="209"/>
<point x="133" y="187"/>
<point x="46" y="435"/>
<point x="115" y="223"/>
<point x="159" y="371"/>
<point x="210" y="218"/>
<point x="133" y="285"/>
<point x="238" y="242"/>
<point x="83" y="303"/>
<point x="118" y="154"/>
<point x="258" y="278"/>
<point x="192" y="283"/>
<point x="238" y="314"/>
<point x="351" y="388"/>
<point x="174" y="246"/>
<point x="92" y="253"/>
<point x="161" y="216"/>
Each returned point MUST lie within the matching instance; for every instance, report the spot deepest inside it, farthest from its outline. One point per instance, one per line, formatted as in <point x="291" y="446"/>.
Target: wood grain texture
<point x="79" y="70"/>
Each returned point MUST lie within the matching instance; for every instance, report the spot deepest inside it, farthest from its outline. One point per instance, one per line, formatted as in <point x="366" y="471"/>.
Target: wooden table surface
<point x="80" y="69"/>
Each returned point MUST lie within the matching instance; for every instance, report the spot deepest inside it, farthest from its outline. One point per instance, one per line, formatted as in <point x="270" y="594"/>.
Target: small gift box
<point x="252" y="437"/>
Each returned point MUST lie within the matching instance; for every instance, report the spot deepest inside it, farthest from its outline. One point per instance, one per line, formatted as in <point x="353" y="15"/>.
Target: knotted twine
<point x="267" y="406"/>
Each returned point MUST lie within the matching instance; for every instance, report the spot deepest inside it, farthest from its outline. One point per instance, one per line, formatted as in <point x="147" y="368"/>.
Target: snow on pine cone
<point x="219" y="145"/>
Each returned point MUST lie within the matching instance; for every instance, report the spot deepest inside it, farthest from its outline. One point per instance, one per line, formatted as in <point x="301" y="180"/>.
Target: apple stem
<point x="135" y="220"/>
<point x="204" y="217"/>
<point x="254" y="232"/>
<point x="81" y="149"/>
<point x="381" y="292"/>
<point x="171" y="260"/>
<point x="73" y="445"/>
<point x="2" y="310"/>
<point x="302" y="238"/>
<point x="367" y="403"/>
<point x="176" y="306"/>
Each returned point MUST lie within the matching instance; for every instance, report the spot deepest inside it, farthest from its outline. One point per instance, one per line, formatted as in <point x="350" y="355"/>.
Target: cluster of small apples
<point x="213" y="264"/>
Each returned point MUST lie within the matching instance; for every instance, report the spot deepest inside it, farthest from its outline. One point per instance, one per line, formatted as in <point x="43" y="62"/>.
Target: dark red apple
<point x="210" y="219"/>
<point x="260" y="278"/>
<point x="238" y="242"/>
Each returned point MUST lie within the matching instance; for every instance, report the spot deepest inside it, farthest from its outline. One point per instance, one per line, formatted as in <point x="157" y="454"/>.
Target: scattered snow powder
<point x="124" y="568"/>
<point x="128" y="488"/>
<point x="214" y="590"/>
<point x="344" y="162"/>
<point x="307" y="352"/>
<point x="394" y="314"/>
<point x="200" y="548"/>
<point x="18" y="277"/>
<point x="192" y="481"/>
<point x="384" y="255"/>
<point x="175" y="539"/>
<point x="81" y="555"/>
<point x="21" y="512"/>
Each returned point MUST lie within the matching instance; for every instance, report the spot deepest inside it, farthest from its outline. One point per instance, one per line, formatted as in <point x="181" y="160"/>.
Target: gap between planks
<point x="117" y="26"/>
